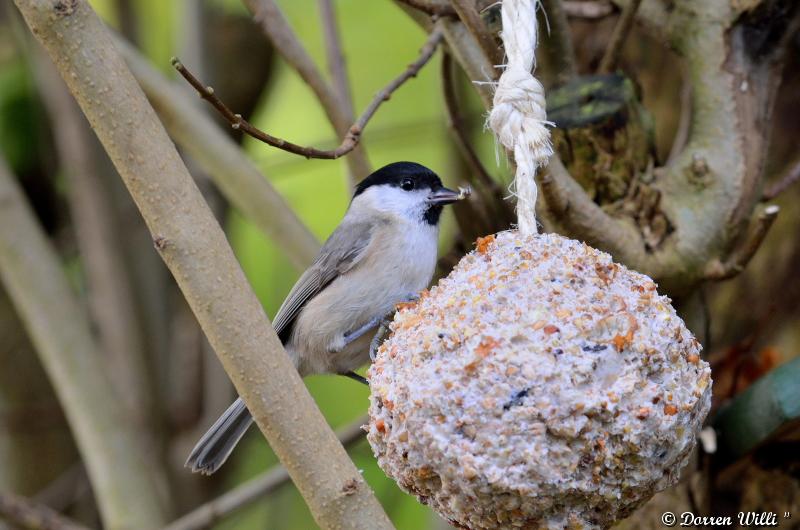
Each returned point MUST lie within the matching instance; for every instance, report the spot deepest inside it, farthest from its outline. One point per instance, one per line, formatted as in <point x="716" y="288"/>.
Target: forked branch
<point x="353" y="135"/>
<point x="741" y="256"/>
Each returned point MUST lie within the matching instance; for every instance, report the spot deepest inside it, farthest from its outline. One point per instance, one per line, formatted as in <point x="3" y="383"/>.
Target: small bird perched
<point x="381" y="254"/>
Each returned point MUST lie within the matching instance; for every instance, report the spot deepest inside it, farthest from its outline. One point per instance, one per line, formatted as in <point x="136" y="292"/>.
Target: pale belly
<point x="368" y="291"/>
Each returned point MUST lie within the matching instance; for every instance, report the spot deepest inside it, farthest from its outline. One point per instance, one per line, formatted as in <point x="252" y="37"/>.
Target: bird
<point x="382" y="253"/>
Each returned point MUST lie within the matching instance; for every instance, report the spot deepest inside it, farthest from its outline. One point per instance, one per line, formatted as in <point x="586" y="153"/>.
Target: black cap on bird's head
<point x="412" y="177"/>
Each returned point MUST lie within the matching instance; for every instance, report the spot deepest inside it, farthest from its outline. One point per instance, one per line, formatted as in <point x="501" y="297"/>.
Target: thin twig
<point x="466" y="50"/>
<point x="611" y="57"/>
<point x="270" y="18"/>
<point x="247" y="189"/>
<point x="491" y="212"/>
<point x="558" y="42"/>
<point x="194" y="247"/>
<point x="24" y="513"/>
<point x="338" y="70"/>
<point x="741" y="256"/>
<point x="257" y="488"/>
<point x="789" y="176"/>
<point x="469" y="15"/>
<point x="589" y="10"/>
<point x="354" y="133"/>
<point x="458" y="126"/>
<point x="336" y="60"/>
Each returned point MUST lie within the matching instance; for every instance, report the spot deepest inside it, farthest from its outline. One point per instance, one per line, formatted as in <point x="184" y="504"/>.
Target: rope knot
<point x="519" y="116"/>
<point x="519" y="110"/>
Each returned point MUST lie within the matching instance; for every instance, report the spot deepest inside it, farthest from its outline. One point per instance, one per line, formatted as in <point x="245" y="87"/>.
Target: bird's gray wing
<point x="343" y="249"/>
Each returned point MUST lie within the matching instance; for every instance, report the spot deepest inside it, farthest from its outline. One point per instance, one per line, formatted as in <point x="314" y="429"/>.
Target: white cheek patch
<point x="395" y="200"/>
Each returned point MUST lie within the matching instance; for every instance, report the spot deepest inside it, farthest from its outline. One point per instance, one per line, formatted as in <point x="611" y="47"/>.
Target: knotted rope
<point x="518" y="116"/>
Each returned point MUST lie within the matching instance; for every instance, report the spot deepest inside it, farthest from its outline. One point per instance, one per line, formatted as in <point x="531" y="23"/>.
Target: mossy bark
<point x="603" y="134"/>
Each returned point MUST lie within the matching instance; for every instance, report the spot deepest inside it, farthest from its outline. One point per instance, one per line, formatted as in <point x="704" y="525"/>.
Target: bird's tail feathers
<point x="216" y="445"/>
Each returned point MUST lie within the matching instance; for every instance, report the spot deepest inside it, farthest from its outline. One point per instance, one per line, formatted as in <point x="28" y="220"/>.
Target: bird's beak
<point x="447" y="196"/>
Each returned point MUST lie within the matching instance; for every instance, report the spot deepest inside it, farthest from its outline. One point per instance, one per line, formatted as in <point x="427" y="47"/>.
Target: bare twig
<point x="741" y="255"/>
<point x="274" y="24"/>
<point x="458" y="127"/>
<point x="354" y="133"/>
<point x="337" y="68"/>
<point x="194" y="248"/>
<point x="215" y="510"/>
<point x="468" y="13"/>
<point x="591" y="10"/>
<point x="614" y="49"/>
<point x="466" y="50"/>
<point x="558" y="42"/>
<point x="789" y="176"/>
<point x="24" y="513"/>
<point x="242" y="184"/>
<point x="336" y="60"/>
<point x="127" y="489"/>
<point x="488" y="211"/>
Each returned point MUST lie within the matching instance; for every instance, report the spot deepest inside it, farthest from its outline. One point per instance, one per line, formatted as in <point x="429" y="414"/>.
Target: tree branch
<point x="29" y="515"/>
<point x="32" y="423"/>
<point x="336" y="60"/>
<point x="479" y="173"/>
<point x="614" y="49"/>
<point x="576" y="212"/>
<point x="354" y="133"/>
<point x="741" y="256"/>
<point x="195" y="250"/>
<point x="337" y="68"/>
<point x="558" y="42"/>
<point x="789" y="176"/>
<point x="489" y="191"/>
<point x="469" y="15"/>
<point x="127" y="489"/>
<point x="242" y="184"/>
<point x="466" y="50"/>
<point x="110" y="293"/>
<point x="268" y="15"/>
<point x="254" y="489"/>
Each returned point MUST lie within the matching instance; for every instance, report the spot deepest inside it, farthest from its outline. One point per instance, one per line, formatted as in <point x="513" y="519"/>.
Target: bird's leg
<point x="355" y="377"/>
<point x="383" y="328"/>
<point x="351" y="336"/>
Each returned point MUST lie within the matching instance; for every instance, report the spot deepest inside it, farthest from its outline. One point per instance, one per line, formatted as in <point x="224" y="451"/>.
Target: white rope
<point x="519" y="117"/>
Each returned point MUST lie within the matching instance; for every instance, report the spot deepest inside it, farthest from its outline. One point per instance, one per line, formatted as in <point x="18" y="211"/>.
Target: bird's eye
<point x="407" y="184"/>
